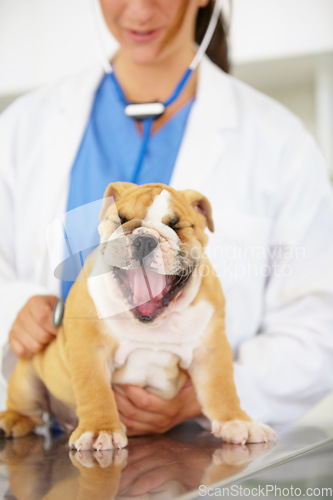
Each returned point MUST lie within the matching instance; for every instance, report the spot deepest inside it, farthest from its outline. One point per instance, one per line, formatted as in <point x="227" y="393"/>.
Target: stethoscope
<point x="146" y="112"/>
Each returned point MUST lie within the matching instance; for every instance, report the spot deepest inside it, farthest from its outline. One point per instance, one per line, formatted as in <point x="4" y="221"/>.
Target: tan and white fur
<point x="147" y="309"/>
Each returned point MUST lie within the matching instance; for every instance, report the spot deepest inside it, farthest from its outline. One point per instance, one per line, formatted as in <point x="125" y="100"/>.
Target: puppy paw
<point x="241" y="431"/>
<point x="13" y="424"/>
<point x="98" y="440"/>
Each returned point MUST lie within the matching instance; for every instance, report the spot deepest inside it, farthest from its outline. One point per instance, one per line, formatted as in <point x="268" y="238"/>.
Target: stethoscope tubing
<point x="136" y="108"/>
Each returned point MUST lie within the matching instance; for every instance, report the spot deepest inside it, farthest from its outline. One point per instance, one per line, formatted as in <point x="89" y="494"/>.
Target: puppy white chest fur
<point x="153" y="358"/>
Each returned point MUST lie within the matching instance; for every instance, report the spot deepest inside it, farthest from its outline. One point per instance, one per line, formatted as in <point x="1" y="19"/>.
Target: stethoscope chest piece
<point x="142" y="111"/>
<point x="58" y="312"/>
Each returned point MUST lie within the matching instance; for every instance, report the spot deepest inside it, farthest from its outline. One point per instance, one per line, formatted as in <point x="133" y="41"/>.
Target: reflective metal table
<point x="185" y="463"/>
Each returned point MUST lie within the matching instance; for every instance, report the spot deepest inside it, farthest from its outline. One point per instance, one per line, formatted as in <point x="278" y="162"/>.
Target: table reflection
<point x="154" y="467"/>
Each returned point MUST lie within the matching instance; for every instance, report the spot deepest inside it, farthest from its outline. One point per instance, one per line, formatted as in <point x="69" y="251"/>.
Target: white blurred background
<point x="282" y="47"/>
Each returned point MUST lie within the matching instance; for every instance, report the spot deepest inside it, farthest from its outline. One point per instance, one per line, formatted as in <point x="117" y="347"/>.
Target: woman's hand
<point x="33" y="328"/>
<point x="145" y="413"/>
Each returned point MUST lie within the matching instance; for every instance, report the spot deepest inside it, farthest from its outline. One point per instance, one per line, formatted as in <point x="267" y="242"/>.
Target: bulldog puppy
<point x="146" y="308"/>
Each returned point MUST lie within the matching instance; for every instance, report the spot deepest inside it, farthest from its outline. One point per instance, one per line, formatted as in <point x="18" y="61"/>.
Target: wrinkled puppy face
<point x="152" y="238"/>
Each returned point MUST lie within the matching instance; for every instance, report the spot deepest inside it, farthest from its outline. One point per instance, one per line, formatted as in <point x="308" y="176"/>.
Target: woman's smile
<point x="152" y="32"/>
<point x="143" y="35"/>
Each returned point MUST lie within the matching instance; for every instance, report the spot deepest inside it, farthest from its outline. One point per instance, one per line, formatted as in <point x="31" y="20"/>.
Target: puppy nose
<point x="143" y="245"/>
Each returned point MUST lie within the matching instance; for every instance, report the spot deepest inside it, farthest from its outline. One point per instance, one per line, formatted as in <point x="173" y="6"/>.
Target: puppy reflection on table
<point x="158" y="467"/>
<point x="150" y="268"/>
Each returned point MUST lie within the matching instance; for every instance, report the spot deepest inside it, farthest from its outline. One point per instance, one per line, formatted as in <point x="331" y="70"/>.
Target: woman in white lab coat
<point x="272" y="207"/>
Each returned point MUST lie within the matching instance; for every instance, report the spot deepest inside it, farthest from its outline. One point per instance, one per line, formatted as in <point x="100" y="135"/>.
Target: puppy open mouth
<point x="148" y="291"/>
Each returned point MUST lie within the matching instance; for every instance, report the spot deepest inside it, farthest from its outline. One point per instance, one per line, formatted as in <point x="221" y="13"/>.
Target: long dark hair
<point x="218" y="48"/>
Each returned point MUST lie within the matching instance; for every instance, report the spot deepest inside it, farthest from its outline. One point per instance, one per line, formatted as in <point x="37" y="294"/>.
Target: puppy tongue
<point x="146" y="284"/>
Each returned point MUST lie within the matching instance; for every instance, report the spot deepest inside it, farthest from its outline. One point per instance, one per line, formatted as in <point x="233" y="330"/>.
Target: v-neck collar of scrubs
<point x="119" y="136"/>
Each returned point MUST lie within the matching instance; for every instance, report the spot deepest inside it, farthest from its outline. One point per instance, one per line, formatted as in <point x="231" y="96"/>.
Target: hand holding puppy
<point x="33" y="329"/>
<point x="145" y="413"/>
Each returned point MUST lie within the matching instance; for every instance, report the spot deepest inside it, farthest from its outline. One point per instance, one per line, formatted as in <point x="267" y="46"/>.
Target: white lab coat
<point x="273" y="212"/>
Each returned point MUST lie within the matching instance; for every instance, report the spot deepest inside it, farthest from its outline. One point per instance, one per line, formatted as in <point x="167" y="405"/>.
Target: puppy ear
<point x="112" y="194"/>
<point x="200" y="204"/>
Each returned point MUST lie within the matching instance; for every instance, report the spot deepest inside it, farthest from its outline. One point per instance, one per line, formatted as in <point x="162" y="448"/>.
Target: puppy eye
<point x="122" y="219"/>
<point x="173" y="223"/>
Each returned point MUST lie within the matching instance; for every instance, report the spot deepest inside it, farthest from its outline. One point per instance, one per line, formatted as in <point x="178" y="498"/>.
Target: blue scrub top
<point x="108" y="153"/>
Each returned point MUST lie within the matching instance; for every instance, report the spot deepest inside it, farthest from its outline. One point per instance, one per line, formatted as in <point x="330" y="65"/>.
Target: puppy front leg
<point x="212" y="375"/>
<point x="99" y="426"/>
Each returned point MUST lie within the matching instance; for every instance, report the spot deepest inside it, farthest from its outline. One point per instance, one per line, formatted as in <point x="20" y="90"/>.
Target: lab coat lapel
<point x="62" y="138"/>
<point x="214" y="113"/>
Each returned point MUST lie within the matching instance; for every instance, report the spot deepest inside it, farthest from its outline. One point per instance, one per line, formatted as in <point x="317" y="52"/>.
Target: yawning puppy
<point x="146" y="308"/>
